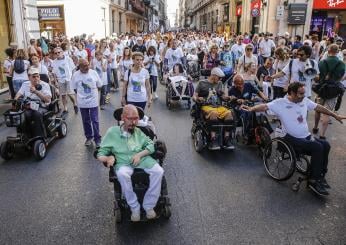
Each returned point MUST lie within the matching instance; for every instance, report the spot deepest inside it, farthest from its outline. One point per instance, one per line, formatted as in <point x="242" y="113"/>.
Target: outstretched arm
<point x="322" y="109"/>
<point x="257" y="108"/>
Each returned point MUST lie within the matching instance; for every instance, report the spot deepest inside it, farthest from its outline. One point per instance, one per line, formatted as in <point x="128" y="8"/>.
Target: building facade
<point x="253" y="16"/>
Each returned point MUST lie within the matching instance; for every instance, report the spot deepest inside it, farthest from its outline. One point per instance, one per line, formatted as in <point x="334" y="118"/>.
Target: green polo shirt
<point x="124" y="148"/>
<point x="335" y="68"/>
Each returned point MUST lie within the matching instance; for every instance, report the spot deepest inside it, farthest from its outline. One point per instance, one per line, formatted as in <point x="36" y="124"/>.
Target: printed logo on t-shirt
<point x="300" y="119"/>
<point x="86" y="87"/>
<point x="301" y="77"/>
<point x="98" y="70"/>
<point x="62" y="71"/>
<point x="136" y="86"/>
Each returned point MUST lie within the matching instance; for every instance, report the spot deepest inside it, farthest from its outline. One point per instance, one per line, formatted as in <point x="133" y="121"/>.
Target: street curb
<point x="3" y="90"/>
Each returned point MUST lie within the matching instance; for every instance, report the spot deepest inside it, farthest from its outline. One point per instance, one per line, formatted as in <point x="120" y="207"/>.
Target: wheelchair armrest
<point x="112" y="175"/>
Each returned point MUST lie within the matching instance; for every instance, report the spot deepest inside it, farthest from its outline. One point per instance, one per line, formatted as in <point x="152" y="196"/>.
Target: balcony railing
<point x="137" y="6"/>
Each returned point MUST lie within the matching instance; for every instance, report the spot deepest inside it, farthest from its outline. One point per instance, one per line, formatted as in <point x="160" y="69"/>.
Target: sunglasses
<point x="57" y="52"/>
<point x="249" y="49"/>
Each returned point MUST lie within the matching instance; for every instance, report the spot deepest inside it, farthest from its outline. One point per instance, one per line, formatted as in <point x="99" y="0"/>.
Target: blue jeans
<point x="17" y="84"/>
<point x="153" y="83"/>
<point x="90" y="118"/>
<point x="317" y="149"/>
<point x="103" y="94"/>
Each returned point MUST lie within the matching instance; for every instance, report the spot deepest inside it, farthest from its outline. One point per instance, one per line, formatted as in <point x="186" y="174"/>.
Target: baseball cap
<point x="217" y="72"/>
<point x="139" y="38"/>
<point x="33" y="70"/>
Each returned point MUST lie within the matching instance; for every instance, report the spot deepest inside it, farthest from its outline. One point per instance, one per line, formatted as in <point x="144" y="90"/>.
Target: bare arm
<point x="322" y="109"/>
<point x="257" y="108"/>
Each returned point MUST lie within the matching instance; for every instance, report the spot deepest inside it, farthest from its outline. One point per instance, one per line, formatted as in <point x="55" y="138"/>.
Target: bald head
<point x="129" y="110"/>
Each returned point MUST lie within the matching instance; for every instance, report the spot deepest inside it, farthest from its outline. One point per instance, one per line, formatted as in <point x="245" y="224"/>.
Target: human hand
<point x="200" y="99"/>
<point x="110" y="161"/>
<point x="339" y="118"/>
<point x="136" y="160"/>
<point x="240" y="101"/>
<point x="245" y="108"/>
<point x="32" y="89"/>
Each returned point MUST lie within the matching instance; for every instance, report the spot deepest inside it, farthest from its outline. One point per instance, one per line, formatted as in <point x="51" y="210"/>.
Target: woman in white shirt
<point x="136" y="89"/>
<point x="19" y="69"/>
<point x="125" y="62"/>
<point x="81" y="53"/>
<point x="280" y="84"/>
<point x="8" y="62"/>
<point x="35" y="62"/>
<point x="152" y="63"/>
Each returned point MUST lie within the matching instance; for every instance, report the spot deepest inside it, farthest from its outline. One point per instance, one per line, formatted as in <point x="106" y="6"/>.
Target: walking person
<point x="99" y="64"/>
<point x="8" y="62"/>
<point x="152" y="63"/>
<point x="19" y="69"/>
<point x="136" y="89"/>
<point x="86" y="82"/>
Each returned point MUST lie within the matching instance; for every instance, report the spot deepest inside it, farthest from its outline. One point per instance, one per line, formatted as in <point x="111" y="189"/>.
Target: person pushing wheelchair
<point x="40" y="92"/>
<point x="131" y="148"/>
<point x="210" y="94"/>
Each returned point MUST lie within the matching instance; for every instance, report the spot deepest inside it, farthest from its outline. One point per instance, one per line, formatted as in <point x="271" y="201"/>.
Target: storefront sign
<point x="297" y="13"/>
<point x="48" y="13"/>
<point x="255" y="8"/>
<point x="329" y="4"/>
<point x="239" y="10"/>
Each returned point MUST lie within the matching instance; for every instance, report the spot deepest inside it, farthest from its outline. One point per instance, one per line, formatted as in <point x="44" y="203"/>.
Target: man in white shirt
<point x="238" y="49"/>
<point x="86" y="82"/>
<point x="173" y="56"/>
<point x="292" y="111"/>
<point x="40" y="92"/>
<point x="265" y="47"/>
<point x="295" y="69"/>
<point x="62" y="69"/>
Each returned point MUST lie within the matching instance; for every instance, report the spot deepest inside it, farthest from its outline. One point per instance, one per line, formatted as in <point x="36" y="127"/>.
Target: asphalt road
<point x="217" y="197"/>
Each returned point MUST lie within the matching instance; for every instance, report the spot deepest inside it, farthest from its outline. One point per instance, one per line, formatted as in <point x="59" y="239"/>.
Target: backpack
<point x="19" y="66"/>
<point x="329" y="88"/>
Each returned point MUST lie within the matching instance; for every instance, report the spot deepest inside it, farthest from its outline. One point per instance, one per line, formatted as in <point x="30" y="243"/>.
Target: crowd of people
<point x="88" y="72"/>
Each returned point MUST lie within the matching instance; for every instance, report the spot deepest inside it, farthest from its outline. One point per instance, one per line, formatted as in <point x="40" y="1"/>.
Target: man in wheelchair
<point x="292" y="110"/>
<point x="209" y="93"/>
<point x="40" y="94"/>
<point x="243" y="93"/>
<point x="130" y="148"/>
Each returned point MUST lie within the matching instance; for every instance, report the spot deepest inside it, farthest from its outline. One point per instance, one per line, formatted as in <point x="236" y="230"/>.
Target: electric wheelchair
<point x="54" y="127"/>
<point x="281" y="160"/>
<point x="201" y="128"/>
<point x="140" y="179"/>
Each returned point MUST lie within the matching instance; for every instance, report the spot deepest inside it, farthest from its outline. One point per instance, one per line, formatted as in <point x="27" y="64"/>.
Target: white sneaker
<point x="156" y="95"/>
<point x="151" y="214"/>
<point x="135" y="216"/>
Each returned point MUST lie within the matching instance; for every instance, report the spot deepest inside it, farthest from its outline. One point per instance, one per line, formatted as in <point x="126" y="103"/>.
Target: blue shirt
<point x="247" y="93"/>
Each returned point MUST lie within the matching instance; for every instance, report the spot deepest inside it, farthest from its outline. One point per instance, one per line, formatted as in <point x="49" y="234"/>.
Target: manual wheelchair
<point x="281" y="160"/>
<point x="201" y="128"/>
<point x="54" y="127"/>
<point x="140" y="179"/>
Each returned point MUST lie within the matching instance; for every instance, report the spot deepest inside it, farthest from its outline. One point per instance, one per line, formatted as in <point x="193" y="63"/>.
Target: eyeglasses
<point x="132" y="118"/>
<point x="249" y="49"/>
<point x="57" y="52"/>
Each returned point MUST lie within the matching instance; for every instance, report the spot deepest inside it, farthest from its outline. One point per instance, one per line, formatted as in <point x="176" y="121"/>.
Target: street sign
<point x="280" y="12"/>
<point x="297" y="13"/>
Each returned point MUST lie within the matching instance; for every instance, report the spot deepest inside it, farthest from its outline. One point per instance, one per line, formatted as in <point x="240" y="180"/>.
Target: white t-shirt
<point x="24" y="74"/>
<point x="278" y="66"/>
<point x="125" y="65"/>
<point x="81" y="54"/>
<point x="241" y="63"/>
<point x="113" y="55"/>
<point x="63" y="69"/>
<point x="266" y="47"/>
<point x="297" y="75"/>
<point x="87" y="85"/>
<point x="136" y="90"/>
<point x="293" y="115"/>
<point x="99" y="70"/>
<point x="174" y="57"/>
<point x="238" y="50"/>
<point x="152" y="67"/>
<point x="119" y="49"/>
<point x="42" y="68"/>
<point x="7" y="65"/>
<point x="25" y="90"/>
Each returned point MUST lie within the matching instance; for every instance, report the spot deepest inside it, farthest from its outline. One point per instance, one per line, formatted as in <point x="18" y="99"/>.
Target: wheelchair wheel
<point x="39" y="149"/>
<point x="167" y="212"/>
<point x="62" y="130"/>
<point x="118" y="216"/>
<point x="198" y="140"/>
<point x="7" y="150"/>
<point x="302" y="164"/>
<point x="168" y="98"/>
<point x="263" y="138"/>
<point x="279" y="159"/>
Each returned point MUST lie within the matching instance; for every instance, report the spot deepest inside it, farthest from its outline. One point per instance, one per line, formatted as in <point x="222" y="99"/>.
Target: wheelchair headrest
<point x="117" y="113"/>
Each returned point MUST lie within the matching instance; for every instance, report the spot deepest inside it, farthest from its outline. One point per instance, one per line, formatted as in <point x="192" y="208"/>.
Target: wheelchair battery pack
<point x="14" y="118"/>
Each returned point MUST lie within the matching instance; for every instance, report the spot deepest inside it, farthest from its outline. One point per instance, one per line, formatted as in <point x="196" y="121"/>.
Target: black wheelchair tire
<point x="198" y="140"/>
<point x="268" y="152"/>
<point x="62" y="130"/>
<point x="302" y="164"/>
<point x="7" y="150"/>
<point x="167" y="212"/>
<point x="118" y="216"/>
<point x="39" y="149"/>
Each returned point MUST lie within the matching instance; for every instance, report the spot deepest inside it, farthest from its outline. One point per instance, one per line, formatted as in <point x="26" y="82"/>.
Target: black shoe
<point x="325" y="184"/>
<point x="315" y="130"/>
<point x="214" y="145"/>
<point x="318" y="188"/>
<point x="228" y="144"/>
<point x="75" y="109"/>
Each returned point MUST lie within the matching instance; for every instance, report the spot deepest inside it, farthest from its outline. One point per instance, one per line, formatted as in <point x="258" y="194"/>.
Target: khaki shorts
<point x="328" y="103"/>
<point x="65" y="88"/>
